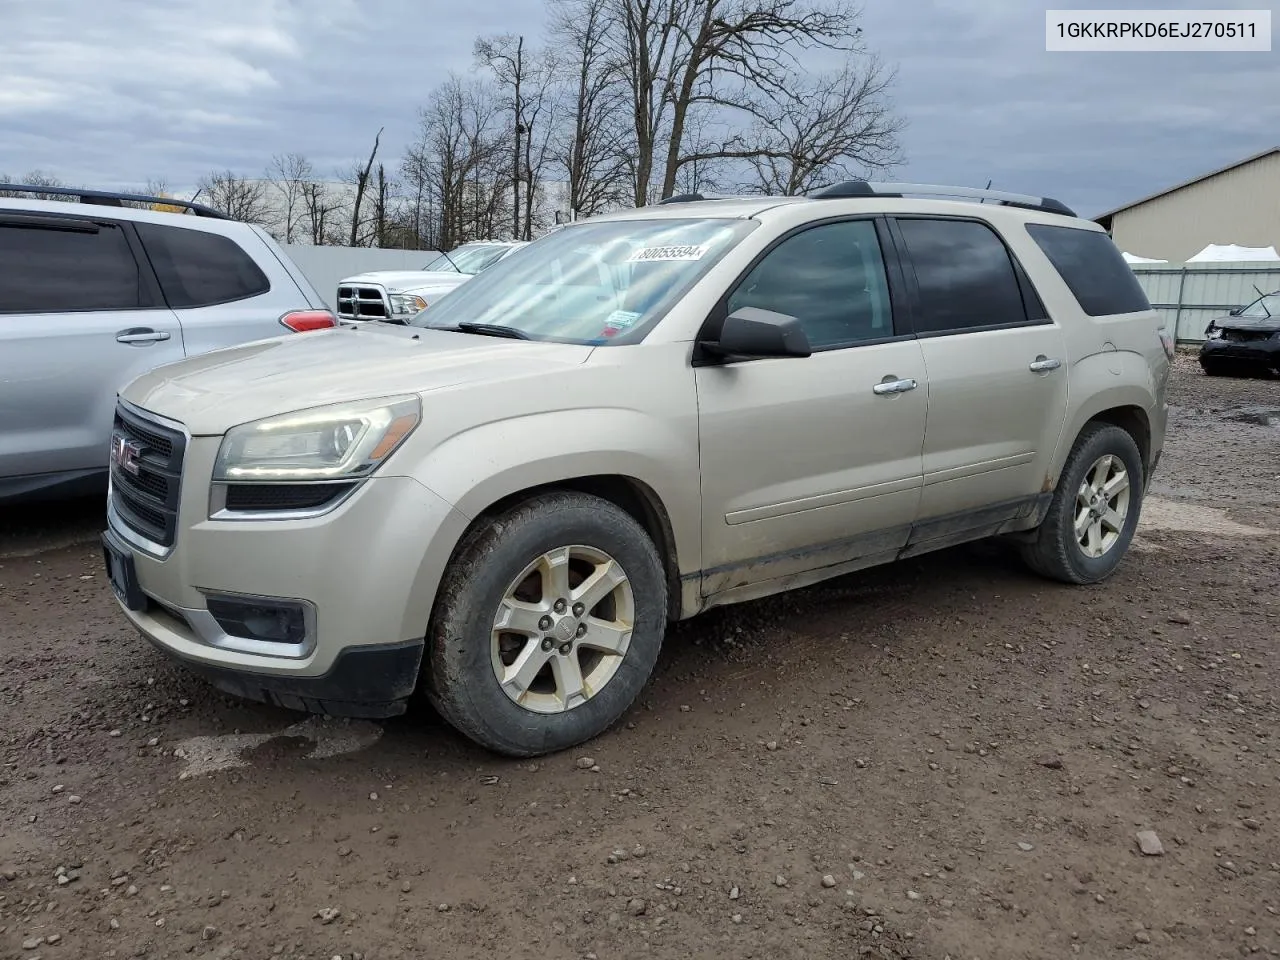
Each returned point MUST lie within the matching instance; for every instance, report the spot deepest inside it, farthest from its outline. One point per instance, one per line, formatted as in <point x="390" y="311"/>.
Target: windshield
<point x="598" y="283"/>
<point x="1268" y="306"/>
<point x="469" y="258"/>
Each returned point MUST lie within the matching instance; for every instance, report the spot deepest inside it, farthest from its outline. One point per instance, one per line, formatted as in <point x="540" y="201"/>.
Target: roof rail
<point x="868" y="188"/>
<point x="107" y="198"/>
<point x="695" y="197"/>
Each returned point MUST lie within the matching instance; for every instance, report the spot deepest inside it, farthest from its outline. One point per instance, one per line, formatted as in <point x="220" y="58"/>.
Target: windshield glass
<point x="469" y="258"/>
<point x="598" y="283"/>
<point x="1268" y="306"/>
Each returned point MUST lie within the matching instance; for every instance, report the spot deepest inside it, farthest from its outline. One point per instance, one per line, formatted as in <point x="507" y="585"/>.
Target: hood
<point x="213" y="392"/>
<point x="410" y="281"/>
<point x="1253" y="324"/>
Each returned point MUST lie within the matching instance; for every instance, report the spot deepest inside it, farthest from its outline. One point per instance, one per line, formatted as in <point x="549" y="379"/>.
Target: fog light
<point x="275" y="621"/>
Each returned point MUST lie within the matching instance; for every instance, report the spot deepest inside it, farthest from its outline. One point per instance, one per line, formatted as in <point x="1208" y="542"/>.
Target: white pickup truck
<point x="399" y="294"/>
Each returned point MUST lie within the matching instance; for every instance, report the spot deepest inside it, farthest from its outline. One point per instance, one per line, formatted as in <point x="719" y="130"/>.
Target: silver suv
<point x="94" y="293"/>
<point x="505" y="502"/>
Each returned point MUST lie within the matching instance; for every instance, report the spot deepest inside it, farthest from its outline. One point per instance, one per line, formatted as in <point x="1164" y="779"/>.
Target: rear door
<point x="997" y="372"/>
<point x="222" y="295"/>
<point x="80" y="316"/>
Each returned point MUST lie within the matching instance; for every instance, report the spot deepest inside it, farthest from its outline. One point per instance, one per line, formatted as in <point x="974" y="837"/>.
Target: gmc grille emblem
<point x="125" y="454"/>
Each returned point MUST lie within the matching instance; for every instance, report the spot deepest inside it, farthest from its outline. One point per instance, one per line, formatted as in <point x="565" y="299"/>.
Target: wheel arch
<point x="1123" y="402"/>
<point x="633" y="496"/>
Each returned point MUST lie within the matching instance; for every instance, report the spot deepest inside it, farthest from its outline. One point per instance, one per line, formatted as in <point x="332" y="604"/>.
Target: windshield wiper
<point x="488" y="330"/>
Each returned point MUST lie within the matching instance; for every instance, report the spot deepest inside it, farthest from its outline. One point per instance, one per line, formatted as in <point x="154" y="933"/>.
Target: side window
<point x="831" y="278"/>
<point x="964" y="274"/>
<point x="199" y="269"/>
<point x="84" y="266"/>
<point x="1099" y="279"/>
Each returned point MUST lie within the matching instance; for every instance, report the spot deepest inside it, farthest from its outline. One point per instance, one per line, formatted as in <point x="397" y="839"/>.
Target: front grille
<point x="361" y="303"/>
<point x="146" y="473"/>
<point x="1245" y="336"/>
<point x="283" y="496"/>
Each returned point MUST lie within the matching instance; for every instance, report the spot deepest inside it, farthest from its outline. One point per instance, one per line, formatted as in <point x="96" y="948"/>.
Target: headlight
<point x="340" y="442"/>
<point x="405" y="304"/>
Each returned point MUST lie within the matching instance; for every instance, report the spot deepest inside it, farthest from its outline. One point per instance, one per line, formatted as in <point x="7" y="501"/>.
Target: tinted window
<point x="831" y="278"/>
<point x="1092" y="267"/>
<point x="965" y="276"/>
<point x="198" y="269"/>
<point x="46" y="270"/>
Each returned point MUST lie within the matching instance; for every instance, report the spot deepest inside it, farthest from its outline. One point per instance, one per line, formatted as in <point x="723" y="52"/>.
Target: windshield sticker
<point x="622" y="319"/>
<point x="686" y="251"/>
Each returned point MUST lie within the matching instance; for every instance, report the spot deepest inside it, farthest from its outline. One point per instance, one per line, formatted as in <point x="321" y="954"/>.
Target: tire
<point x="1056" y="552"/>
<point x="514" y="553"/>
<point x="1212" y="369"/>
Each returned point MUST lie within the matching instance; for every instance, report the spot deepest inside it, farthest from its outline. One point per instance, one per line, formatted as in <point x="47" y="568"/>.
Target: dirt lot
<point x="946" y="758"/>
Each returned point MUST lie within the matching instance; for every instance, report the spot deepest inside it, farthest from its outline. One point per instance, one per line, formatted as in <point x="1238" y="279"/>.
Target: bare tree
<point x="417" y="169"/>
<point x="360" y="178"/>
<point x="592" y="137"/>
<point x="526" y="80"/>
<point x="33" y="178"/>
<point x="505" y="56"/>
<point x="289" y="174"/>
<point x="835" y="126"/>
<point x="320" y="213"/>
<point x="237" y="197"/>
<point x="678" y="55"/>
<point x="457" y="161"/>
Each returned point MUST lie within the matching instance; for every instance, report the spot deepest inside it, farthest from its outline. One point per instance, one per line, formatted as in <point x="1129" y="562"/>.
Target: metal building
<point x="1238" y="204"/>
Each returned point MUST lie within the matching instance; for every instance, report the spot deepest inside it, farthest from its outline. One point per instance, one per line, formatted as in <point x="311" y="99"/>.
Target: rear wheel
<point x="1094" y="511"/>
<point x="547" y="625"/>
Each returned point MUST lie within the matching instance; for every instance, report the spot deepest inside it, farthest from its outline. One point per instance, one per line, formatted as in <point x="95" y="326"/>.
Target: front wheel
<point x="547" y="626"/>
<point x="1094" y="511"/>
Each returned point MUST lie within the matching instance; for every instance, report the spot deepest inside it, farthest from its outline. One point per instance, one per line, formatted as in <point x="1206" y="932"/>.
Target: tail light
<point x="1169" y="344"/>
<point x="300" y="321"/>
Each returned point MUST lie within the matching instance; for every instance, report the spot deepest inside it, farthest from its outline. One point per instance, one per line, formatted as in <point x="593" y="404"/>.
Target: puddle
<point x="1263" y="416"/>
<point x="327" y="738"/>
<point x="1161" y="514"/>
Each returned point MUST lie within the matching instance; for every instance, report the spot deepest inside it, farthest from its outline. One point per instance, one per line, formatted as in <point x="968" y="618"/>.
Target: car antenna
<point x="987" y="187"/>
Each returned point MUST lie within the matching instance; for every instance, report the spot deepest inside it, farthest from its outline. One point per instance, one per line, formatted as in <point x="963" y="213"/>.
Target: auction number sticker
<point x="622" y="319"/>
<point x="686" y="251"/>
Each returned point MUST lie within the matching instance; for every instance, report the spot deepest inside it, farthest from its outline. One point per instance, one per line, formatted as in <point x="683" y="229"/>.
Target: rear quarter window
<point x="199" y="269"/>
<point x="1092" y="267"/>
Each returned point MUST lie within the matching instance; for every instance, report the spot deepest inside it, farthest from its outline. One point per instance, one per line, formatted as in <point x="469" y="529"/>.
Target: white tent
<point x="1231" y="253"/>
<point x="1133" y="258"/>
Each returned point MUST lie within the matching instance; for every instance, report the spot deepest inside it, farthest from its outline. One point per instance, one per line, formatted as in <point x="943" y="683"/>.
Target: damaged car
<point x="1245" y="341"/>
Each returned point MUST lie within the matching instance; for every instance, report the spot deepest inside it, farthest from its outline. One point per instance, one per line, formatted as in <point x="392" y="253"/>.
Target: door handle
<point x="892" y="385"/>
<point x="1043" y="364"/>
<point x="141" y="335"/>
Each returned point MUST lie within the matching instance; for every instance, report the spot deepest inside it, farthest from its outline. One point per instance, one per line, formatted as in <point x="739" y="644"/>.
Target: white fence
<point x="1189" y="295"/>
<point x="325" y="266"/>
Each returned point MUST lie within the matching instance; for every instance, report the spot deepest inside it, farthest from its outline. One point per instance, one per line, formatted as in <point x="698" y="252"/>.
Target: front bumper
<point x="1264" y="353"/>
<point x="366" y="573"/>
<point x="372" y="682"/>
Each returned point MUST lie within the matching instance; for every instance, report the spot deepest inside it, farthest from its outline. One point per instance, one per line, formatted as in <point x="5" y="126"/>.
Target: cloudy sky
<point x="114" y="92"/>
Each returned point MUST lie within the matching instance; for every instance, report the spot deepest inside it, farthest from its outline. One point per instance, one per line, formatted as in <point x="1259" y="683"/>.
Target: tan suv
<point x="505" y="501"/>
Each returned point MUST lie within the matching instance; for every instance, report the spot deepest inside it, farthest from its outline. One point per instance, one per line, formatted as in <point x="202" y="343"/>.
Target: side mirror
<point x="1235" y="311"/>
<point x="753" y="332"/>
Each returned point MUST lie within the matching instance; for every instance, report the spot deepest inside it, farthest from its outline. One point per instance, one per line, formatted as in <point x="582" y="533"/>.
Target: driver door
<point x="805" y="463"/>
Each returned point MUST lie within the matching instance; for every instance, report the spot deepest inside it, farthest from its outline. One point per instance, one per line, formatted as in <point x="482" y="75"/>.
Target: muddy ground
<point x="944" y="758"/>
